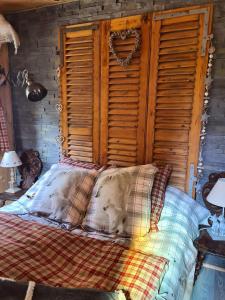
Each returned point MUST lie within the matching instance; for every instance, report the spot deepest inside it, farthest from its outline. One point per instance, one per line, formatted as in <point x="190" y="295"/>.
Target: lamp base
<point x="13" y="190"/>
<point x="12" y="183"/>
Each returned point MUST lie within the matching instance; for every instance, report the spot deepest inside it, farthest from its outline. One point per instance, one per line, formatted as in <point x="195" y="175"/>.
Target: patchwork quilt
<point x="40" y="253"/>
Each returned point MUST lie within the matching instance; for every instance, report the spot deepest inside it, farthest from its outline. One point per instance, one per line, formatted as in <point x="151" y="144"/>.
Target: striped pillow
<point x="158" y="195"/>
<point x="122" y="194"/>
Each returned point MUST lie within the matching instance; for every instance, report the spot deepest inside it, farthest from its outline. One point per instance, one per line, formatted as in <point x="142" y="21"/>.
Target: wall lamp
<point x="34" y="91"/>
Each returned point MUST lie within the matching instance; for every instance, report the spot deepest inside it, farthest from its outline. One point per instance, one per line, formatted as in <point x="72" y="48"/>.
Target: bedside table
<point x="7" y="198"/>
<point x="206" y="245"/>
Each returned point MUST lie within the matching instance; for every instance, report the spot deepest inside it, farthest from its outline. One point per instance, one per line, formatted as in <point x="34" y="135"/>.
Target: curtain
<point x="4" y="138"/>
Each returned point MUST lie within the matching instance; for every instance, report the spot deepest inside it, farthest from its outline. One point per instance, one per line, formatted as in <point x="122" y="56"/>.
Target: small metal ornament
<point x="60" y="139"/>
<point x="123" y="35"/>
<point x="59" y="107"/>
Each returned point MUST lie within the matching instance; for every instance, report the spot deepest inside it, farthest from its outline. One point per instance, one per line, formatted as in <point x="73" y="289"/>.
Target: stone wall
<point x="36" y="124"/>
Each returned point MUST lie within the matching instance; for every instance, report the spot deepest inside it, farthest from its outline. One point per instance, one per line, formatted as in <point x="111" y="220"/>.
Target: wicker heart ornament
<point x="123" y="35"/>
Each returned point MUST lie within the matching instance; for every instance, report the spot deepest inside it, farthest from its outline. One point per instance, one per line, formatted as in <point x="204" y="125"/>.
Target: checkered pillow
<point x="158" y="195"/>
<point x="64" y="193"/>
<point x="122" y="189"/>
<point x="76" y="163"/>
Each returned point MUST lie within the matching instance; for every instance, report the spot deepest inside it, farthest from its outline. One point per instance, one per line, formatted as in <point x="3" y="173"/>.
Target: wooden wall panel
<point x="80" y="93"/>
<point x="176" y="88"/>
<point x="124" y="94"/>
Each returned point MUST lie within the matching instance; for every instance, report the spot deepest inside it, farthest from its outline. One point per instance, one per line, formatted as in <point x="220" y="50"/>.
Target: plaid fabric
<point x="138" y="202"/>
<point x="158" y="195"/>
<point x="38" y="199"/>
<point x="86" y="165"/>
<point x="4" y="139"/>
<point x="80" y="200"/>
<point x="178" y="228"/>
<point x="30" y="251"/>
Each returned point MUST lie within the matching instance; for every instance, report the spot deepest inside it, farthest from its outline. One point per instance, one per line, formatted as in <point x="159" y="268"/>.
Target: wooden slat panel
<point x="175" y="93"/>
<point x="124" y="92"/>
<point x="80" y="94"/>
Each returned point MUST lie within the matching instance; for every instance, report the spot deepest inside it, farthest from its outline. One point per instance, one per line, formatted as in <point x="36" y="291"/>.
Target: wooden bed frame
<point x="148" y="111"/>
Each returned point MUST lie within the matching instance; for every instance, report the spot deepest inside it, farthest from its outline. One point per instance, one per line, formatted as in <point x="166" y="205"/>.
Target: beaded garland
<point x="205" y="116"/>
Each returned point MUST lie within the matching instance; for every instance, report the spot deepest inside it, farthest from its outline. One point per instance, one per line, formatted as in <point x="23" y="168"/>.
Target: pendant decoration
<point x="205" y="115"/>
<point x="123" y="35"/>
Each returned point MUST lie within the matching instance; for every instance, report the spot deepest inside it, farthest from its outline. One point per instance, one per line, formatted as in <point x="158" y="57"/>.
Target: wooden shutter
<point x="178" y="68"/>
<point x="124" y="94"/>
<point x="80" y="92"/>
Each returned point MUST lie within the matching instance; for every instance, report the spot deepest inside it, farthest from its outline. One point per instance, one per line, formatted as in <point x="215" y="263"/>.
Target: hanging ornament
<point x="205" y="117"/>
<point x="123" y="35"/>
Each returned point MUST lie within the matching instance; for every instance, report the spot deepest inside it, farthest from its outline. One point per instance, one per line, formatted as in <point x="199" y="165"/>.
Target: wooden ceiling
<point x="10" y="6"/>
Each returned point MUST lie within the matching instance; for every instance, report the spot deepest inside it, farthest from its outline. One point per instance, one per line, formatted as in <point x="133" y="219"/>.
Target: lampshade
<point x="217" y="194"/>
<point x="10" y="159"/>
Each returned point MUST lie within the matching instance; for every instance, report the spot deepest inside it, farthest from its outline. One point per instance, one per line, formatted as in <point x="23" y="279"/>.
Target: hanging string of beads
<point x="59" y="108"/>
<point x="205" y="115"/>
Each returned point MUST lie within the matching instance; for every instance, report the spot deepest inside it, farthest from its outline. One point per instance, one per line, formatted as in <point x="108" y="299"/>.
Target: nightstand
<point x="7" y="198"/>
<point x="206" y="245"/>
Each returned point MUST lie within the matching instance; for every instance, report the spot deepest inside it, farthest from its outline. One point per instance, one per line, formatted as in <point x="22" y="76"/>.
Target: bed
<point x="132" y="93"/>
<point x="159" y="265"/>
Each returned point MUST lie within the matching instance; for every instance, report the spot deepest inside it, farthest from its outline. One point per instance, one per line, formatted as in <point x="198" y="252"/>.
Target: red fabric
<point x="31" y="251"/>
<point x="158" y="195"/>
<point x="81" y="164"/>
<point x="4" y="139"/>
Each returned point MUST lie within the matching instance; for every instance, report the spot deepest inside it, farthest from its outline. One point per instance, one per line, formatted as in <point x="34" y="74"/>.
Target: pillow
<point x="120" y="201"/>
<point x="64" y="193"/>
<point x="182" y="214"/>
<point x="158" y="194"/>
<point x="75" y="163"/>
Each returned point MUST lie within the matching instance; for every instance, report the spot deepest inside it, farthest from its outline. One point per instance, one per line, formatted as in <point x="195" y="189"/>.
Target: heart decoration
<point x="123" y="35"/>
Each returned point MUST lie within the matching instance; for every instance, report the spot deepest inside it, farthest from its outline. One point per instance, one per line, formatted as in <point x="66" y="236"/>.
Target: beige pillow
<point x="121" y="202"/>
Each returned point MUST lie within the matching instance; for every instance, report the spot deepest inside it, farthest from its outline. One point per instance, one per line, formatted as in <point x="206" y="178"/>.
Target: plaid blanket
<point x="32" y="251"/>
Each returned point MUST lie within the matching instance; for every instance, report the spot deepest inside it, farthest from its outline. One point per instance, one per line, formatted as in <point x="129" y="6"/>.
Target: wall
<point x="36" y="124"/>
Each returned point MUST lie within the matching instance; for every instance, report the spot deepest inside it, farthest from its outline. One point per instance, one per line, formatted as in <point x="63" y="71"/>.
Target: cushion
<point x="63" y="194"/>
<point x="75" y="163"/>
<point x="120" y="202"/>
<point x="158" y="194"/>
<point x="182" y="214"/>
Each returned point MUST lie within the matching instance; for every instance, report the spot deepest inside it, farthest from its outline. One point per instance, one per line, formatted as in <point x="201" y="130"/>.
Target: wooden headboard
<point x="146" y="111"/>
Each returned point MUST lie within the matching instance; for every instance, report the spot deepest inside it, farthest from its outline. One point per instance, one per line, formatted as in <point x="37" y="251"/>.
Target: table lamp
<point x="11" y="160"/>
<point x="217" y="197"/>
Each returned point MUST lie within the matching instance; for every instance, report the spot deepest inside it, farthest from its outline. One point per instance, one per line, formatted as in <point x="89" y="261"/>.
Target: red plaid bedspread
<point x="31" y="251"/>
